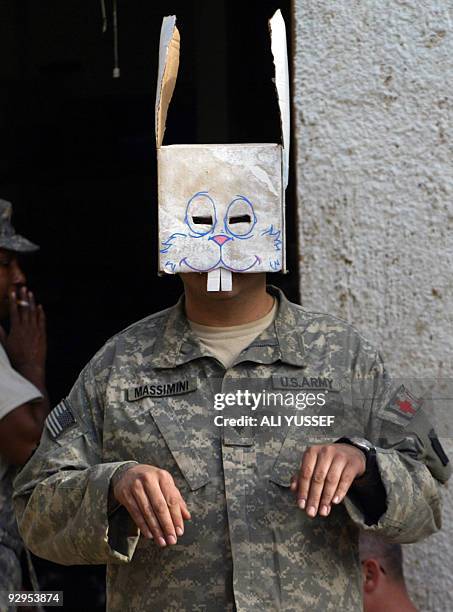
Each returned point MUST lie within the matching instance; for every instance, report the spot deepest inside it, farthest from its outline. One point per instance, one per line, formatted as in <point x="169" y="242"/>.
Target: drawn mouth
<point x="220" y="264"/>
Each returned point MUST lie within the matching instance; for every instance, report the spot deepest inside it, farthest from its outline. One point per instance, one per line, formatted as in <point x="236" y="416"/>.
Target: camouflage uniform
<point x="10" y="542"/>
<point x="148" y="396"/>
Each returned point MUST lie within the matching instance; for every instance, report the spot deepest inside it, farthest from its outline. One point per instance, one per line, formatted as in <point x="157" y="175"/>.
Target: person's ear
<point x="371" y="575"/>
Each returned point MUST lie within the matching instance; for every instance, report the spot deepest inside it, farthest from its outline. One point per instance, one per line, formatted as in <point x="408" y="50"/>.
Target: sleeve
<point x="14" y="388"/>
<point x="411" y="462"/>
<point x="61" y="495"/>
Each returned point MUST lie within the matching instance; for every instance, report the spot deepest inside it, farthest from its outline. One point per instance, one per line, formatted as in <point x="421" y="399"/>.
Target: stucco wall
<point x="373" y="110"/>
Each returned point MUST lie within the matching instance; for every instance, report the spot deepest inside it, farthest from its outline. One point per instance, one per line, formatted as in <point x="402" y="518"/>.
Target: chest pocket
<point x="290" y="456"/>
<point x="280" y="510"/>
<point x="190" y="462"/>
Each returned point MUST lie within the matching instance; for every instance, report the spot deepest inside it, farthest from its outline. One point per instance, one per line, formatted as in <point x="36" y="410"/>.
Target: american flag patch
<point x="59" y="419"/>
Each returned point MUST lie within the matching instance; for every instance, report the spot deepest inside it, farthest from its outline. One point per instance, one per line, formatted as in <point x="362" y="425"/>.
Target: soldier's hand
<point x="326" y="473"/>
<point x="26" y="344"/>
<point x="155" y="504"/>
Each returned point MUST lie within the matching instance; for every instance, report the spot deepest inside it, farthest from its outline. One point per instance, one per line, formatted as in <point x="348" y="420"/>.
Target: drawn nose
<point x="220" y="239"/>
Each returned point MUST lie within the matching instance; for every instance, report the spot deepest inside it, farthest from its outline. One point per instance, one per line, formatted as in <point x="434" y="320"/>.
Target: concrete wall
<point x="373" y="111"/>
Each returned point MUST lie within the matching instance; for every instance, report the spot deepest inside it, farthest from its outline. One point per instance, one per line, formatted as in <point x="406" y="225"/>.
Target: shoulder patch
<point x="404" y="404"/>
<point x="60" y="419"/>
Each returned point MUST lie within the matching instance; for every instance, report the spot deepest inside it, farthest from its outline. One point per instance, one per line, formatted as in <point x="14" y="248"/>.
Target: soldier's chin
<point x="240" y="281"/>
<point x="198" y="281"/>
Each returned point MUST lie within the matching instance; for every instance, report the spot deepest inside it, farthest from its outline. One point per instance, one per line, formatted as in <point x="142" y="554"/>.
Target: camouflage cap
<point x="8" y="237"/>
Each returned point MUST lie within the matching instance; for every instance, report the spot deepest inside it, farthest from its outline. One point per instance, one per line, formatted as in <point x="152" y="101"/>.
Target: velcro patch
<point x="437" y="447"/>
<point x="404" y="404"/>
<point x="60" y="419"/>
<point x="160" y="389"/>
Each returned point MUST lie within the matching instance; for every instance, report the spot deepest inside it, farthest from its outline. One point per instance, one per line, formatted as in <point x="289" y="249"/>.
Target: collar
<point x="177" y="344"/>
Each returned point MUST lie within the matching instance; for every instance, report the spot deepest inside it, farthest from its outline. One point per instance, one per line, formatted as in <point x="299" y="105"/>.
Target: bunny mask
<point x="221" y="206"/>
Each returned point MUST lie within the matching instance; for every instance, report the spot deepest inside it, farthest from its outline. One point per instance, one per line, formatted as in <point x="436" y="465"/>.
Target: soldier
<point x="132" y="472"/>
<point x="384" y="587"/>
<point x="23" y="398"/>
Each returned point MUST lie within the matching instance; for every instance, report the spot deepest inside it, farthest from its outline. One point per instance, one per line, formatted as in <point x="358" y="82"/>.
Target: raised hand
<point x="26" y="344"/>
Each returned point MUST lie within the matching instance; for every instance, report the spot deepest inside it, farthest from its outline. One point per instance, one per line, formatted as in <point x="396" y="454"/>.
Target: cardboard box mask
<point x="221" y="206"/>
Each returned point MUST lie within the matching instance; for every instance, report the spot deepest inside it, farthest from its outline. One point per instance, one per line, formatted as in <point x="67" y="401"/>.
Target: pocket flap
<point x="288" y="460"/>
<point x="290" y="456"/>
<point x="192" y="465"/>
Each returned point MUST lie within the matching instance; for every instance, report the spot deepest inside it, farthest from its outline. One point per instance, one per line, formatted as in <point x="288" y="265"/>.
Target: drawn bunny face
<point x="221" y="208"/>
<point x="218" y="235"/>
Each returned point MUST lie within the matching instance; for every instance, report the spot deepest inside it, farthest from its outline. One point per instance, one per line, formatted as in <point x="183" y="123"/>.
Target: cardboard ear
<point x="279" y="51"/>
<point x="168" y="71"/>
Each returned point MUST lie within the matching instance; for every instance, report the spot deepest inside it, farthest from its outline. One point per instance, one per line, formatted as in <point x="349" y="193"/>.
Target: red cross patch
<point x="406" y="407"/>
<point x="404" y="404"/>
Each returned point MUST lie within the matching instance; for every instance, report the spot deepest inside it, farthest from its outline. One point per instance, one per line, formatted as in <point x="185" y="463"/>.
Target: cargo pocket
<point x="73" y="449"/>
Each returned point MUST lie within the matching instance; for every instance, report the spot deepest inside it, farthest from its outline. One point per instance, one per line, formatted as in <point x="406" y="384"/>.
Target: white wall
<point x="373" y="111"/>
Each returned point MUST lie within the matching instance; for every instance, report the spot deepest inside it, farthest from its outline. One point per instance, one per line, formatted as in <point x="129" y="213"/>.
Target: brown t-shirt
<point x="225" y="343"/>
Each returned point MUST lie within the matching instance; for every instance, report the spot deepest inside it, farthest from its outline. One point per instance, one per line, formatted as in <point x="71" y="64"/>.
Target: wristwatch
<point x="366" y="447"/>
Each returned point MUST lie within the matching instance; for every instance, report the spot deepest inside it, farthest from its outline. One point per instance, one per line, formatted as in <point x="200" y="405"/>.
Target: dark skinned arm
<point x="20" y="429"/>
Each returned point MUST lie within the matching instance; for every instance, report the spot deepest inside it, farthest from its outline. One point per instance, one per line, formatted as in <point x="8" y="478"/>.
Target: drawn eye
<point x="201" y="214"/>
<point x="240" y="217"/>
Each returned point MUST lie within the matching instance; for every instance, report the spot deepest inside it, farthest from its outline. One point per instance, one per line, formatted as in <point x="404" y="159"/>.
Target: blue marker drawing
<point x="189" y="214"/>
<point x="171" y="265"/>
<point x="246" y="234"/>
<point x="275" y="234"/>
<point x="237" y="223"/>
<point x="169" y="242"/>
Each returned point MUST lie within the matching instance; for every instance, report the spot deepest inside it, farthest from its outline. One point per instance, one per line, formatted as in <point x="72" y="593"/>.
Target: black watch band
<point x="366" y="447"/>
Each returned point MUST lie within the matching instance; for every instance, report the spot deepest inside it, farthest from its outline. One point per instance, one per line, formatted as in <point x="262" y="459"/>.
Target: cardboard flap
<point x="168" y="71"/>
<point x="279" y="51"/>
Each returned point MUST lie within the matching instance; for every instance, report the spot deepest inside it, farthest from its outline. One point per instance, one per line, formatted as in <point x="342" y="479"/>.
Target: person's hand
<point x="26" y="344"/>
<point x="155" y="504"/>
<point x="326" y="473"/>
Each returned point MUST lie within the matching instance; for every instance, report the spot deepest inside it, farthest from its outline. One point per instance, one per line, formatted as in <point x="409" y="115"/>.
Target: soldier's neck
<point x="245" y="305"/>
